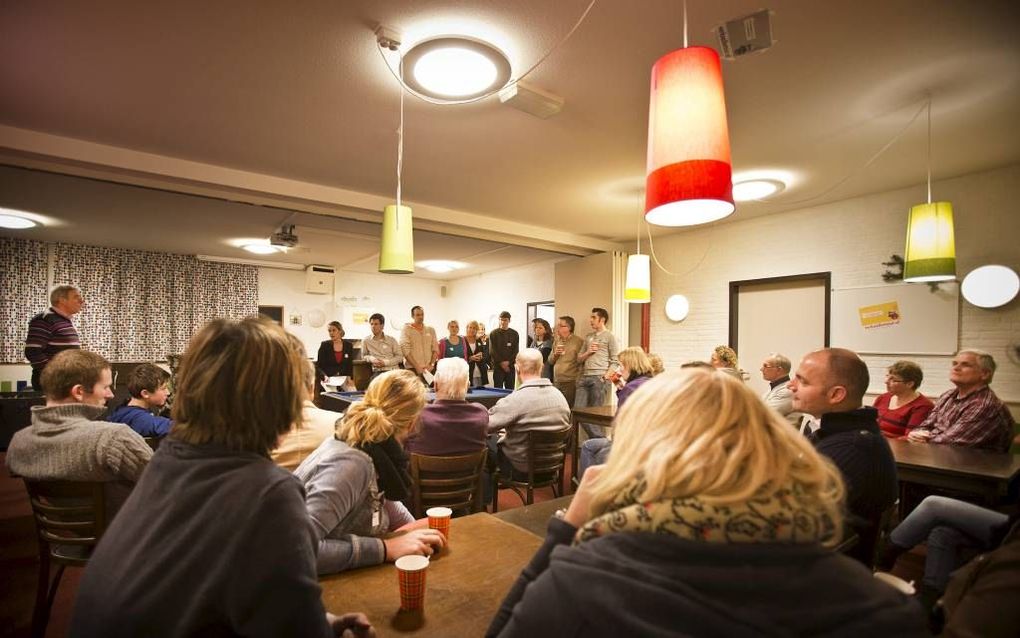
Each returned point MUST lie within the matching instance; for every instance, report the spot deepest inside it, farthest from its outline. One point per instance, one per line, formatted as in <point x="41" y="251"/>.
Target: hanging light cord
<point x="432" y="100"/>
<point x="651" y="249"/>
<point x="685" y="24"/>
<point x="929" y="149"/>
<point x="855" y="172"/>
<point x="400" y="144"/>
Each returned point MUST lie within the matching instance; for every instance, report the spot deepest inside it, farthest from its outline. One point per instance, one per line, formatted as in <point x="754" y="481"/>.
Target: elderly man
<point x="52" y="331"/>
<point x="66" y="442"/>
<point x="969" y="414"/>
<point x="830" y="384"/>
<point x="535" y="405"/>
<point x="566" y="368"/>
<point x="418" y="343"/>
<point x="775" y="369"/>
<point x="380" y="349"/>
<point x="450" y="425"/>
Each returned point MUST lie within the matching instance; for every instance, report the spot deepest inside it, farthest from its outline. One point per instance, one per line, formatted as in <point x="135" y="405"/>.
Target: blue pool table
<point x="340" y="401"/>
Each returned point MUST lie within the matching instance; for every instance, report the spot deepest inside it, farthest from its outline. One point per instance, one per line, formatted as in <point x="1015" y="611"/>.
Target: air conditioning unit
<point x="319" y="279"/>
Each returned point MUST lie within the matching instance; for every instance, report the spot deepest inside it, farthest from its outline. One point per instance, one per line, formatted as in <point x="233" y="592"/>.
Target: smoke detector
<point x="531" y="100"/>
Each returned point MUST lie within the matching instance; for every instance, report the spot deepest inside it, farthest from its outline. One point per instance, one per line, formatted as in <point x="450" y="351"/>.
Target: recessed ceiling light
<point x="440" y="265"/>
<point x="261" y="248"/>
<point x="756" y="189"/>
<point x="15" y="219"/>
<point x="455" y="68"/>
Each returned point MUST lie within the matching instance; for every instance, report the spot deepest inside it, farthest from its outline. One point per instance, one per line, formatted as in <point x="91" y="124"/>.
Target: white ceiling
<point x="289" y="105"/>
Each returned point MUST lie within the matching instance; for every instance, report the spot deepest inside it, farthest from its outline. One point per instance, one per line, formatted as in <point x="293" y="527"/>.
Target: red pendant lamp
<point x="689" y="179"/>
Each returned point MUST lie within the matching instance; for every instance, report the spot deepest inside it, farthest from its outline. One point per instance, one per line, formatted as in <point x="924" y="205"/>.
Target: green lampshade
<point x="638" y="286"/>
<point x="396" y="254"/>
<point x="930" y="254"/>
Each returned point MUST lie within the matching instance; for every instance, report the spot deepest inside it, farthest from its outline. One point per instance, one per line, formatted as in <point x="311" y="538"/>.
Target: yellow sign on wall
<point x="883" y="314"/>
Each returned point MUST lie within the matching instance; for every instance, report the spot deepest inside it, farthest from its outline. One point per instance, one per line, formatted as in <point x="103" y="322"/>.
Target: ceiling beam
<point x="43" y="151"/>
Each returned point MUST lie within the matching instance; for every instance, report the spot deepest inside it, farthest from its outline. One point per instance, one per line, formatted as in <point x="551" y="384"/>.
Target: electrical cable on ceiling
<point x="855" y="172"/>
<point x="432" y="100"/>
<point x="651" y="250"/>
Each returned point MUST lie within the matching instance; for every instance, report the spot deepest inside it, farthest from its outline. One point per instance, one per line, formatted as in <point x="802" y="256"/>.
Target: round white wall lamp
<point x="990" y="286"/>
<point x="455" y="67"/>
<point x="677" y="307"/>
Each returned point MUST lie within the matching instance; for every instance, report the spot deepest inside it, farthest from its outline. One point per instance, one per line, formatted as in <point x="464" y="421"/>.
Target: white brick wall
<point x="850" y="238"/>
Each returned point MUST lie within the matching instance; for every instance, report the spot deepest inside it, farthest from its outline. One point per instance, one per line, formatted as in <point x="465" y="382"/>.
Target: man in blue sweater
<point x="830" y="385"/>
<point x="147" y="384"/>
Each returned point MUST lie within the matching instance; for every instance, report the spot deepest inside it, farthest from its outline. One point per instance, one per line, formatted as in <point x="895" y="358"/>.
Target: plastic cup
<point x="411" y="578"/>
<point x="439" y="519"/>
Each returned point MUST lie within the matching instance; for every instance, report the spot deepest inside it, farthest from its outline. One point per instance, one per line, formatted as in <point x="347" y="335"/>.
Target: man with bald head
<point x="830" y="384"/>
<point x="535" y="405"/>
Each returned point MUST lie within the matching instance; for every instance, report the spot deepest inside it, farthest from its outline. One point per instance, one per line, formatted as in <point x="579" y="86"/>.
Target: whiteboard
<point x="897" y="319"/>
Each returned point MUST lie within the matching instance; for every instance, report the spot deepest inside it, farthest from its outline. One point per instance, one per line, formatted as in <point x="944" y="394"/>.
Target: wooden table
<point x="465" y="585"/>
<point x="599" y="415"/>
<point x="983" y="473"/>
<point x="534" y="518"/>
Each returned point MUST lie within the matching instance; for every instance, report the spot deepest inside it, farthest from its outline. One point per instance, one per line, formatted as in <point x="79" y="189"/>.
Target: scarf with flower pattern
<point x="773" y="515"/>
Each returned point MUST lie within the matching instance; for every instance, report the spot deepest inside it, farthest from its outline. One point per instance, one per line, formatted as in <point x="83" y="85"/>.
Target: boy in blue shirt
<point x="147" y="384"/>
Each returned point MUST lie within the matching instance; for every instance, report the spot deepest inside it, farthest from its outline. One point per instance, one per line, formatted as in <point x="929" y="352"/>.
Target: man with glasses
<point x="970" y="414"/>
<point x="775" y="369"/>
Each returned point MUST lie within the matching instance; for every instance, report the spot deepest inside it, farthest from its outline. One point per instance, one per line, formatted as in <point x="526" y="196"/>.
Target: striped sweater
<point x="48" y="333"/>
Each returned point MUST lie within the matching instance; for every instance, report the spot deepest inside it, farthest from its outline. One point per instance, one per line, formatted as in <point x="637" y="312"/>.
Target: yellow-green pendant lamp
<point x="930" y="254"/>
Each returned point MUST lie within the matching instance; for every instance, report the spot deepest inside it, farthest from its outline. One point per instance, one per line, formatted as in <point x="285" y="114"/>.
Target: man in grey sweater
<point x="66" y="443"/>
<point x="535" y="405"/>
<point x="599" y="358"/>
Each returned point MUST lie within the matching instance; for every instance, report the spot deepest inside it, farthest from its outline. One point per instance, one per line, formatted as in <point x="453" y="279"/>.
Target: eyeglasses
<point x="768" y="365"/>
<point x="890" y="379"/>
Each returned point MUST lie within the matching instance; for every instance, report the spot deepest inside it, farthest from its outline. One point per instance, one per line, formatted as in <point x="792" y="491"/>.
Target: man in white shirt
<point x="775" y="369"/>
<point x="381" y="350"/>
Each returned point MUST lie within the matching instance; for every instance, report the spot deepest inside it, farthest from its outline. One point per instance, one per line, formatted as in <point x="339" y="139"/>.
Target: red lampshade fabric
<point x="688" y="139"/>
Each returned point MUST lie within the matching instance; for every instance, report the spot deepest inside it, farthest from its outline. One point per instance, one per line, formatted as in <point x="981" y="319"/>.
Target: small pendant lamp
<point x="930" y="254"/>
<point x="689" y="176"/>
<point x="638" y="288"/>
<point x="396" y="251"/>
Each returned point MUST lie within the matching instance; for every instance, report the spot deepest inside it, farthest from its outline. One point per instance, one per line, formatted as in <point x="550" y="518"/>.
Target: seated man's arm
<point x="501" y="415"/>
<point x="979" y="425"/>
<point x="125" y="453"/>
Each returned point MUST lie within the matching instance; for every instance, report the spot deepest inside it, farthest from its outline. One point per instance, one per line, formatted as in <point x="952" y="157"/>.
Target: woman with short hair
<point x="902" y="408"/>
<point x="214" y="539"/>
<point x="712" y="517"/>
<point x="476" y="345"/>
<point x="453" y="344"/>
<point x="335" y="357"/>
<point x="355" y="480"/>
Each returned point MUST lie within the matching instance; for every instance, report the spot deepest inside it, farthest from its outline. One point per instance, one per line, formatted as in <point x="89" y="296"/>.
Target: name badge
<point x="376" y="519"/>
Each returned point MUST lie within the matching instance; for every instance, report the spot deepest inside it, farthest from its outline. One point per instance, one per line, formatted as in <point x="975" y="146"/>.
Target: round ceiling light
<point x="440" y="265"/>
<point x="990" y="286"/>
<point x="261" y="248"/>
<point x="756" y="189"/>
<point x="15" y="219"/>
<point x="677" y="307"/>
<point x="455" y="68"/>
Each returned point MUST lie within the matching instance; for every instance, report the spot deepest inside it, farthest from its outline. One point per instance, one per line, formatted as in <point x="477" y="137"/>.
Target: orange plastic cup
<point x="439" y="519"/>
<point x="411" y="572"/>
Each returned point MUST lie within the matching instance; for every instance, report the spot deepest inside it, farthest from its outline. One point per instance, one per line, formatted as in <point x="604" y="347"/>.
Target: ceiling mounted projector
<point x="284" y="237"/>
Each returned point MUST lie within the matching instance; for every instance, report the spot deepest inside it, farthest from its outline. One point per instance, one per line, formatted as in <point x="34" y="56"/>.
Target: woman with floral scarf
<point x="712" y="517"/>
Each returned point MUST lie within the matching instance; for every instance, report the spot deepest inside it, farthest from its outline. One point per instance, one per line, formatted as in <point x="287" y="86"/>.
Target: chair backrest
<point x="68" y="512"/>
<point x="447" y="481"/>
<point x="546" y="454"/>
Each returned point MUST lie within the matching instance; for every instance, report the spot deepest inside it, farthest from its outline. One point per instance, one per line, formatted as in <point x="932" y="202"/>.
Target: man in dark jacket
<point x="830" y="384"/>
<point x="504" y="344"/>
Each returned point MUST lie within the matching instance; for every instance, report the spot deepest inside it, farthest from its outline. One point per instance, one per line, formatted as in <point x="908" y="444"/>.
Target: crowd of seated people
<point x="717" y="472"/>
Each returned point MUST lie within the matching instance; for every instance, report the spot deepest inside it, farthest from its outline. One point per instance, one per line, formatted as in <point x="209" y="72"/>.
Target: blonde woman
<point x="712" y="518"/>
<point x="725" y="358"/>
<point x="476" y="346"/>
<point x="355" y="480"/>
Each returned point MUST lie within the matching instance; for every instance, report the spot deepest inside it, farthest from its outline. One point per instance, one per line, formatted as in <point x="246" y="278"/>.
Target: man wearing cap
<point x="504" y="343"/>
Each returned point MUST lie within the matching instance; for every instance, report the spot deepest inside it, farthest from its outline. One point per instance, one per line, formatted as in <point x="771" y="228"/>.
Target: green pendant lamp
<point x="930" y="255"/>
<point x="396" y="252"/>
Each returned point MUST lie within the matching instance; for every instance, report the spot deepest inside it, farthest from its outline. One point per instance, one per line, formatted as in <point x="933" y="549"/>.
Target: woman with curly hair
<point x="712" y="517"/>
<point x="355" y="480"/>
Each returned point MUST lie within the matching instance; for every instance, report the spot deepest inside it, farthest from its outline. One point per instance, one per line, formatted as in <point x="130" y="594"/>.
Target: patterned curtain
<point x="142" y="306"/>
<point x="23" y="292"/>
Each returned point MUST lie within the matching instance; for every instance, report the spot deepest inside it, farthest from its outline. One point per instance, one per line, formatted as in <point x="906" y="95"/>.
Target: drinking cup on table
<point x="411" y="572"/>
<point x="439" y="520"/>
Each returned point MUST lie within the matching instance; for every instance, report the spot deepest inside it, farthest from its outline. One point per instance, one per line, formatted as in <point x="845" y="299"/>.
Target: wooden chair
<point x="70" y="517"/>
<point x="447" y="481"/>
<point x="546" y="454"/>
<point x="867" y="542"/>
